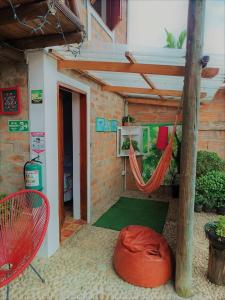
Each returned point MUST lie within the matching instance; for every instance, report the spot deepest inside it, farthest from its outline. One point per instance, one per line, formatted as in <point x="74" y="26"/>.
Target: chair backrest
<point x="24" y="218"/>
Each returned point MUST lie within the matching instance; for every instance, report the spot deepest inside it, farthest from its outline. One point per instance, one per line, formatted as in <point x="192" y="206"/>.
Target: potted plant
<point x="221" y="207"/>
<point x="211" y="189"/>
<point x="126" y="145"/>
<point x="126" y="120"/>
<point x="215" y="232"/>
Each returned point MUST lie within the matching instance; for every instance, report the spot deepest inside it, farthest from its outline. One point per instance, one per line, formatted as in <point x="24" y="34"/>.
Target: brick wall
<point x="211" y="127"/>
<point x="121" y="28"/>
<point x="14" y="147"/>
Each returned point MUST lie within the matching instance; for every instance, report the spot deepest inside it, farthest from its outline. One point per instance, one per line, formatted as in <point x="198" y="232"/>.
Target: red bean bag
<point x="142" y="257"/>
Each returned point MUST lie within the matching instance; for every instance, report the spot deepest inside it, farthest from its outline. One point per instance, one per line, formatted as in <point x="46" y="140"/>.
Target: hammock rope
<point x="159" y="174"/>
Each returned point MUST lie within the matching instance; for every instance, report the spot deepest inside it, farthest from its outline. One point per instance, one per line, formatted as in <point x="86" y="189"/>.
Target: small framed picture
<point x="100" y="124"/>
<point x="10" y="101"/>
<point x="107" y="125"/>
<point x="114" y="124"/>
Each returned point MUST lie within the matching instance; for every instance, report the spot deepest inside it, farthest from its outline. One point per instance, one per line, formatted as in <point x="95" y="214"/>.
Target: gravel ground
<point x="82" y="269"/>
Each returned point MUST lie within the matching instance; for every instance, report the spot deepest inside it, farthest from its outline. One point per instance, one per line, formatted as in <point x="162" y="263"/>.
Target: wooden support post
<point x="191" y="97"/>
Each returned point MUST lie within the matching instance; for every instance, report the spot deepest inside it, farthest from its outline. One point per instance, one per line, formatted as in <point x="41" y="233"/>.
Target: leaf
<point x="181" y="39"/>
<point x="170" y="39"/>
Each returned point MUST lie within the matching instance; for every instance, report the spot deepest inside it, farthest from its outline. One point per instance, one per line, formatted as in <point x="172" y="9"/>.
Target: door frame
<point x="85" y="96"/>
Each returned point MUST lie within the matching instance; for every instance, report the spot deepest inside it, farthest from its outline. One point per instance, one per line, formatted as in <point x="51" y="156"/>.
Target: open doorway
<point x="72" y="157"/>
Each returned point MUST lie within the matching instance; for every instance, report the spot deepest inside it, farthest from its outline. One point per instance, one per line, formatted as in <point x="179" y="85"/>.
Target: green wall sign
<point x="18" y="126"/>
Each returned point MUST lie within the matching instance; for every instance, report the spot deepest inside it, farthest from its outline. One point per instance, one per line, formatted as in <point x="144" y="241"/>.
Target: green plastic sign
<point x="18" y="126"/>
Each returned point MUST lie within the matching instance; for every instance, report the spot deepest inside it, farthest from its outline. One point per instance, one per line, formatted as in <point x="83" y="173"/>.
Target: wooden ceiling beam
<point x="43" y="41"/>
<point x="167" y="103"/>
<point x="135" y="90"/>
<point x="132" y="60"/>
<point x="131" y="68"/>
<point x="28" y="12"/>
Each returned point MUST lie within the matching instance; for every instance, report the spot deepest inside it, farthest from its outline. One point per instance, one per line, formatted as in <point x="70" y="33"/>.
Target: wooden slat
<point x="28" y="11"/>
<point x="134" y="68"/>
<point x="46" y="40"/>
<point x="132" y="60"/>
<point x="168" y="103"/>
<point x="134" y="90"/>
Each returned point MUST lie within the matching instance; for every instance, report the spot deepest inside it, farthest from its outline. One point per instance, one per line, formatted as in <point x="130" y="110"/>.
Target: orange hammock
<point x="158" y="175"/>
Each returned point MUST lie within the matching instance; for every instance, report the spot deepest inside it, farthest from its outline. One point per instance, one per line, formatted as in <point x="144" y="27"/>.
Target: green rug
<point x="132" y="211"/>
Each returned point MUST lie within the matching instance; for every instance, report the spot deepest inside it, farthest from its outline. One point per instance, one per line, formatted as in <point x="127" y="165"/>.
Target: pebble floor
<point x="82" y="270"/>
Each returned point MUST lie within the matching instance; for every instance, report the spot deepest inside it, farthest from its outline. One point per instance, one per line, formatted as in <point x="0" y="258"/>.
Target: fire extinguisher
<point x="33" y="174"/>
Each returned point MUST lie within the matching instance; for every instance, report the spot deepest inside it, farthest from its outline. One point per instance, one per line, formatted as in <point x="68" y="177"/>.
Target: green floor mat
<point x="132" y="211"/>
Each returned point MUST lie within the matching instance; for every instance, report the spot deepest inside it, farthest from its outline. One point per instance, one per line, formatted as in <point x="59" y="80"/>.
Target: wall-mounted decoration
<point x="107" y="125"/>
<point x="100" y="124"/>
<point x="37" y="96"/>
<point x="114" y="124"/>
<point x="10" y="101"/>
<point x="37" y="142"/>
<point x="18" y="125"/>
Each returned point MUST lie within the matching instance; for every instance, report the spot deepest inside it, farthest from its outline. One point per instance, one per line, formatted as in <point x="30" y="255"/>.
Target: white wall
<point x="43" y="74"/>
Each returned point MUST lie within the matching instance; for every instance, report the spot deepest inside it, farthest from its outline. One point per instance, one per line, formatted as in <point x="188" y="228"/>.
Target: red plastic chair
<point x="24" y="217"/>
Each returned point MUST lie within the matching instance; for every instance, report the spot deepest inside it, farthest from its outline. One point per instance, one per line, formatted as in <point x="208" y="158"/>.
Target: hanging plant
<point x="126" y="145"/>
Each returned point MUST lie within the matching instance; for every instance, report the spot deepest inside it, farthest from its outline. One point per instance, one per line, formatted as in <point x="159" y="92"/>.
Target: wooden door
<point x="61" y="160"/>
<point x="83" y="156"/>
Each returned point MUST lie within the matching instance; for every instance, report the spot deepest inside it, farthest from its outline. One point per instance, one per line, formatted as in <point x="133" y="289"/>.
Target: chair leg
<point x="7" y="292"/>
<point x="36" y="272"/>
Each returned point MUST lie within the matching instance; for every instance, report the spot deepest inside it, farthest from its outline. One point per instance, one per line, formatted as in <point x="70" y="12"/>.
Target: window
<point x="109" y="10"/>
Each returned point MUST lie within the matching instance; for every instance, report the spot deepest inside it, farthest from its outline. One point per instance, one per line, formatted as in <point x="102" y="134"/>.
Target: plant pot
<point x="221" y="210"/>
<point x="126" y="124"/>
<point x="198" y="208"/>
<point x="217" y="242"/>
<point x="207" y="208"/>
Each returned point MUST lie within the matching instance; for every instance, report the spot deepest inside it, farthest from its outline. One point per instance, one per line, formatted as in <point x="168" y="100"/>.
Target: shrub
<point x="208" y="161"/>
<point x="220" y="227"/>
<point x="210" y="188"/>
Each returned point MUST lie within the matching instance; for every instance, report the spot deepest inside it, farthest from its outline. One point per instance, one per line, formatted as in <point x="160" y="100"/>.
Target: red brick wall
<point x="14" y="147"/>
<point x="121" y="28"/>
<point x="212" y="120"/>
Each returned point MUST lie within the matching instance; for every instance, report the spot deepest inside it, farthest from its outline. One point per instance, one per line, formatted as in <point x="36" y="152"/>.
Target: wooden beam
<point x="28" y="12"/>
<point x="134" y="90"/>
<point x="46" y="40"/>
<point x="134" y="68"/>
<point x="196" y="13"/>
<point x="159" y="102"/>
<point x="132" y="60"/>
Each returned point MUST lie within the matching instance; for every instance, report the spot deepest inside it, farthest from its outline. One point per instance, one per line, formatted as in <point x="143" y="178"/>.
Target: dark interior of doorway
<point x="68" y="153"/>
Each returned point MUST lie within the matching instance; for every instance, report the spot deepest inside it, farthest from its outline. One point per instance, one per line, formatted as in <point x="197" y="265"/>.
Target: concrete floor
<point x="82" y="269"/>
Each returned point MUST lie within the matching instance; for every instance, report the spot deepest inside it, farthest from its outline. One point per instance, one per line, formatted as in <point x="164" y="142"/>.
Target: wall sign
<point x="18" y="125"/>
<point x="107" y="125"/>
<point x="114" y="125"/>
<point x="36" y="96"/>
<point x="100" y="124"/>
<point x="10" y="101"/>
<point x="38" y="142"/>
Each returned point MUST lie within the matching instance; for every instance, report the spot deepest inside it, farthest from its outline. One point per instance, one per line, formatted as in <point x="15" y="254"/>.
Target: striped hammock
<point x="159" y="174"/>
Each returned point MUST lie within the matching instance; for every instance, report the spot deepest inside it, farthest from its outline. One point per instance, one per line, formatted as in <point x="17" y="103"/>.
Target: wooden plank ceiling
<point x="15" y="35"/>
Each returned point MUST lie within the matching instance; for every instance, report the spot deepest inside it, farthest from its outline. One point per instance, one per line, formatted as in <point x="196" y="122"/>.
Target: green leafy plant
<point x="128" y="119"/>
<point x="220" y="227"/>
<point x="208" y="161"/>
<point x="210" y="188"/>
<point x="172" y="42"/>
<point x="126" y="145"/>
